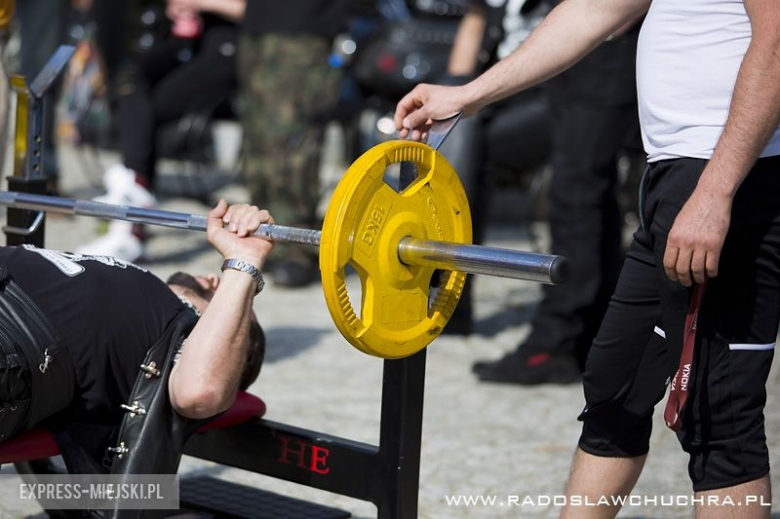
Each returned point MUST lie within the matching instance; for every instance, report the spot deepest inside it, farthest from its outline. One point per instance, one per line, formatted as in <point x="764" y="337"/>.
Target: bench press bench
<point x="39" y="443"/>
<point x="199" y="493"/>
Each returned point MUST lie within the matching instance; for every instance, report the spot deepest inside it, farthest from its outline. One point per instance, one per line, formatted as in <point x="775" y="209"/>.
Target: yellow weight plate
<point x="365" y="222"/>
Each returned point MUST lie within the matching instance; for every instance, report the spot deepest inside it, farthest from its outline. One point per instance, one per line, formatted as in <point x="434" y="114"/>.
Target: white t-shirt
<point x="688" y="58"/>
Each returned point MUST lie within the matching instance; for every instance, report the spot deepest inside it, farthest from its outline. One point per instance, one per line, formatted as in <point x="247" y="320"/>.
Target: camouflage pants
<point x="285" y="80"/>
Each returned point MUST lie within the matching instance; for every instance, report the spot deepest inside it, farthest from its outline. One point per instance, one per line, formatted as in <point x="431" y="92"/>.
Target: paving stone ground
<point x="480" y="440"/>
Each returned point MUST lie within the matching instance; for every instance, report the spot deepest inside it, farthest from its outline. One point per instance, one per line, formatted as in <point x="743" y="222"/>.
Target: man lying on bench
<point x="115" y="362"/>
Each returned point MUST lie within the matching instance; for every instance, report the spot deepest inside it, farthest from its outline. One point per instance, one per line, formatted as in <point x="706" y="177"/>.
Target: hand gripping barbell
<point x="395" y="241"/>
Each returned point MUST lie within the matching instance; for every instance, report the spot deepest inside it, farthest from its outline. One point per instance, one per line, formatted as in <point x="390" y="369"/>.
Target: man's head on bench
<point x="199" y="290"/>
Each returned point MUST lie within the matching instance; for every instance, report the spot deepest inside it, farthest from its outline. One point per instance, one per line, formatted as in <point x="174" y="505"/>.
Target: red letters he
<point x="296" y="448"/>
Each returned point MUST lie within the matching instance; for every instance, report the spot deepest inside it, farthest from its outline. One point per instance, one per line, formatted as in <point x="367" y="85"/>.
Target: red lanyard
<point x="682" y="380"/>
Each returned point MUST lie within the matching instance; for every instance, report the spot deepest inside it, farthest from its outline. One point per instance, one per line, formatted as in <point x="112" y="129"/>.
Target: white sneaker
<point x="122" y="189"/>
<point x="119" y="242"/>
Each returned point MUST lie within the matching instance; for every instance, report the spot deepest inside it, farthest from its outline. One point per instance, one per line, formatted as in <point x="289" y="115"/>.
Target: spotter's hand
<point x="230" y="229"/>
<point x="696" y="238"/>
<point x="418" y="109"/>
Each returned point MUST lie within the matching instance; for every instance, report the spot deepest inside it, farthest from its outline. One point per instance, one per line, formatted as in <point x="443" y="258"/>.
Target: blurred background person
<point x="286" y="82"/>
<point x="192" y="65"/>
<point x="511" y="135"/>
<point x="592" y="116"/>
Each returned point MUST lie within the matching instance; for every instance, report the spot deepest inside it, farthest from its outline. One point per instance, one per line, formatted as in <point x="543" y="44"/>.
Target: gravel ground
<point x="478" y="440"/>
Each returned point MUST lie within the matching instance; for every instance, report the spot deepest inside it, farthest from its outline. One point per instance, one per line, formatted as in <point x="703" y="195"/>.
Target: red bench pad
<point x="39" y="443"/>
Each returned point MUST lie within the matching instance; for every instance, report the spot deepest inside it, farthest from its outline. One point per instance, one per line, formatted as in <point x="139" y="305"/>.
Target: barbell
<point x="394" y="240"/>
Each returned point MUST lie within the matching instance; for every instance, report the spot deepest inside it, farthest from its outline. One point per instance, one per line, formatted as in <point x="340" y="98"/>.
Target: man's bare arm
<point x="205" y="380"/>
<point x="697" y="236"/>
<point x="567" y="34"/>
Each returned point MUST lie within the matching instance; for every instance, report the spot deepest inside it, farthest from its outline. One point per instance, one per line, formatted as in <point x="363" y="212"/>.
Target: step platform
<point x="235" y="501"/>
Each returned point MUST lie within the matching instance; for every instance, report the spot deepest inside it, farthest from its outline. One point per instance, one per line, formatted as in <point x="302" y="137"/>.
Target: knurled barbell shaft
<point x="473" y="259"/>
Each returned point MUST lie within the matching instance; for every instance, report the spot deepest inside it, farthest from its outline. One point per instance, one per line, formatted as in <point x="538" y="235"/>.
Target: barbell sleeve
<point x="488" y="261"/>
<point x="472" y="259"/>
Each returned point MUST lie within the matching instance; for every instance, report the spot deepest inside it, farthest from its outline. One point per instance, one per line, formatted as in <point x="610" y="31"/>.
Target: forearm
<point x="213" y="358"/>
<point x="232" y="10"/>
<point x="467" y="44"/>
<point x="566" y="35"/>
<point x="754" y="116"/>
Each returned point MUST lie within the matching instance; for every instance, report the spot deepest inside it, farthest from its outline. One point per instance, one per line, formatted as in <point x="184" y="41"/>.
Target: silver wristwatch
<point x="248" y="268"/>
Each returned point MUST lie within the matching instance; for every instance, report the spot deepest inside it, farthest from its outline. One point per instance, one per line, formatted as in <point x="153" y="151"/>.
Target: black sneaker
<point x="295" y="273"/>
<point x="526" y="369"/>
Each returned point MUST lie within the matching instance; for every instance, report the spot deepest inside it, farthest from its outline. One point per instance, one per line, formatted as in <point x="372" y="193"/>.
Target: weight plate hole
<point x="400" y="175"/>
<point x="437" y="278"/>
<point x="440" y="298"/>
<point x="354" y="289"/>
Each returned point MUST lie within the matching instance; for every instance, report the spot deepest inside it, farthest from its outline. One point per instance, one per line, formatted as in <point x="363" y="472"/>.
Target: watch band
<point x="248" y="268"/>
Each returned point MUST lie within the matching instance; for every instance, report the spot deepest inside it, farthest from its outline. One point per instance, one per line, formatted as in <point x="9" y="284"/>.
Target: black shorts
<point x="637" y="349"/>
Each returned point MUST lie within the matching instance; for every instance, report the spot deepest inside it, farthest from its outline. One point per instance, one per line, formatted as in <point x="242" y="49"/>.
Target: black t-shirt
<point x="107" y="312"/>
<point x="319" y="17"/>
